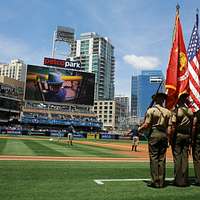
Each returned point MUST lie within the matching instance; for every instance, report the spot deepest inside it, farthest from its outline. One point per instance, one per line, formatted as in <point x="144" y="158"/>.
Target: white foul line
<point x="101" y="181"/>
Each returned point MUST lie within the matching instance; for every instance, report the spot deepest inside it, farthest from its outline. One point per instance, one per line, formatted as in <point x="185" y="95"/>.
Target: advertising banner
<point x="91" y="136"/>
<point x="63" y="63"/>
<point x="78" y="135"/>
<point x="106" y="136"/>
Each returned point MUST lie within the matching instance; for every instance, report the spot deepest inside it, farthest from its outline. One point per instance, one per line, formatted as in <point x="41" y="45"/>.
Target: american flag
<point x="193" y="53"/>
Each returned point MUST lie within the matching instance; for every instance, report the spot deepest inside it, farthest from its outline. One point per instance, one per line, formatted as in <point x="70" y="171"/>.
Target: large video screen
<point x="59" y="85"/>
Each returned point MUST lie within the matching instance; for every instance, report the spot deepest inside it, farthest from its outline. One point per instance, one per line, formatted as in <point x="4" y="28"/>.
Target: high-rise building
<point x="108" y="113"/>
<point x="123" y="102"/>
<point x="142" y="88"/>
<point x="16" y="69"/>
<point x="96" y="55"/>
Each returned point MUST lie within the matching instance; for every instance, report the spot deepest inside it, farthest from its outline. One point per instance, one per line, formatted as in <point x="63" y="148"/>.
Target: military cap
<point x="184" y="96"/>
<point x="159" y="95"/>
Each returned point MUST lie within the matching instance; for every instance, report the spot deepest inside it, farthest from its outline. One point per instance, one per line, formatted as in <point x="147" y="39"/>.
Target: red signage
<point x="54" y="62"/>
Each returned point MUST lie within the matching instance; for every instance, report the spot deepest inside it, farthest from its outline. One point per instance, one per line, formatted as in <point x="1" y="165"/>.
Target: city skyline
<point x="143" y="86"/>
<point x="140" y="31"/>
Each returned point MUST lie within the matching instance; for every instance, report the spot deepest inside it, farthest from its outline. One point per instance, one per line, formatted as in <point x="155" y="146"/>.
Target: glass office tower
<point x="96" y="55"/>
<point x="142" y="88"/>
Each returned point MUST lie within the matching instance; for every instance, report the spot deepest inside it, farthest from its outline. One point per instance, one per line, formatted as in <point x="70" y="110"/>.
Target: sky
<point x="140" y="30"/>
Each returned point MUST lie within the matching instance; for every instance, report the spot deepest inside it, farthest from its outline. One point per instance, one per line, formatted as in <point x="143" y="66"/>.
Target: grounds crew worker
<point x="157" y="119"/>
<point x="180" y="140"/>
<point x="196" y="146"/>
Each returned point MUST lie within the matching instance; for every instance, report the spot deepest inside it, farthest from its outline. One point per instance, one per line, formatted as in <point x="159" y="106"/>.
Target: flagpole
<point x="177" y="9"/>
<point x="177" y="15"/>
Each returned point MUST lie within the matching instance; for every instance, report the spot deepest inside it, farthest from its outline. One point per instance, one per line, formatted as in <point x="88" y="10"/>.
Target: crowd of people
<point x="14" y="129"/>
<point x="60" y="117"/>
<point x="8" y="91"/>
<point x="179" y="128"/>
<point x="61" y="108"/>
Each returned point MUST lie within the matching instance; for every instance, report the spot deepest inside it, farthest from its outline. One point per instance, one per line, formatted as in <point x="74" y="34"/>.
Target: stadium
<point x="41" y="113"/>
<point x="57" y="143"/>
<point x="37" y="162"/>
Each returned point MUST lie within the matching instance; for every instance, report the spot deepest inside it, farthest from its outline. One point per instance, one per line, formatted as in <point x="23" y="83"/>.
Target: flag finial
<point x="177" y="8"/>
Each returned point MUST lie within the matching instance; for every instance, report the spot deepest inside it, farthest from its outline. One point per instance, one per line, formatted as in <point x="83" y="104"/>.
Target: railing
<point x="67" y="122"/>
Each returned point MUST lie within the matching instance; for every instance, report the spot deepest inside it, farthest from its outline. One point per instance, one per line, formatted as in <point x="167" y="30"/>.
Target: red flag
<point x="177" y="71"/>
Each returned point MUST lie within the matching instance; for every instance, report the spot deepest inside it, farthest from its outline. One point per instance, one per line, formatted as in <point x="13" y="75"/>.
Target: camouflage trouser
<point x="157" y="154"/>
<point x="180" y="149"/>
<point x="196" y="159"/>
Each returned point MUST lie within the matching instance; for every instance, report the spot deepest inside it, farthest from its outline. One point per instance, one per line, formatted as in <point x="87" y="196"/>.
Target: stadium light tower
<point x="62" y="40"/>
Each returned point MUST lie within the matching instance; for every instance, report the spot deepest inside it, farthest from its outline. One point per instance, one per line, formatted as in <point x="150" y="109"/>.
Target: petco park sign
<point x="63" y="63"/>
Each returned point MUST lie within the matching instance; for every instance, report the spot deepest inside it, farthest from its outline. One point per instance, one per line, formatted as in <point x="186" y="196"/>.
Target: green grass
<point x="2" y="145"/>
<point x="33" y="180"/>
<point x="37" y="180"/>
<point x="56" y="148"/>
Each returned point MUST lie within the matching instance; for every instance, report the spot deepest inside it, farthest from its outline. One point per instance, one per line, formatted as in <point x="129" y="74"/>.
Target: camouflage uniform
<point x="158" y="117"/>
<point x="180" y="144"/>
<point x="196" y="147"/>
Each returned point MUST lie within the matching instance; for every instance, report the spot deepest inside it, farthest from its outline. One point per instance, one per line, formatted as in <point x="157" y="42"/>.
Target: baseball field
<point x="40" y="168"/>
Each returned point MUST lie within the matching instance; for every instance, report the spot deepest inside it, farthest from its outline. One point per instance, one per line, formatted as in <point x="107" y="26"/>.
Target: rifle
<point x="157" y="91"/>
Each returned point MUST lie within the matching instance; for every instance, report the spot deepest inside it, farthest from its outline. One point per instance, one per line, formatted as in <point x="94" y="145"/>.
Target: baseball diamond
<point x="39" y="168"/>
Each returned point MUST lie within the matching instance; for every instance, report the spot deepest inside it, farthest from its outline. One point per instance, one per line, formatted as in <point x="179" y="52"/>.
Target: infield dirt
<point x="118" y="148"/>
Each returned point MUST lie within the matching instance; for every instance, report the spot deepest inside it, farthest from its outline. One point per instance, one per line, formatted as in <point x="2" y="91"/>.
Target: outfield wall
<point x="54" y="133"/>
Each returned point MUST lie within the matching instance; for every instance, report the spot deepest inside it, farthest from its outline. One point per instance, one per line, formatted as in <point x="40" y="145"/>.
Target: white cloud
<point x="142" y="62"/>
